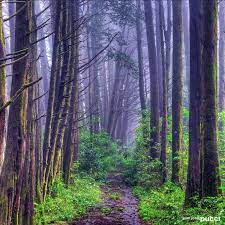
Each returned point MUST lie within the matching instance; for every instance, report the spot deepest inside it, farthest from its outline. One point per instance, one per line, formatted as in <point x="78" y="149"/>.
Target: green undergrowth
<point x="98" y="154"/>
<point x="164" y="206"/>
<point x="66" y="203"/>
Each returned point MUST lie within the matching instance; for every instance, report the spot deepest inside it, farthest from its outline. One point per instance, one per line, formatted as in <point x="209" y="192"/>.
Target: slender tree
<point x="165" y="53"/>
<point x="186" y="41"/>
<point x="221" y="56"/>
<point x="177" y="90"/>
<point x="2" y="90"/>
<point x="29" y="175"/>
<point x="193" y="176"/>
<point x="11" y="9"/>
<point x="72" y="131"/>
<point x="53" y="76"/>
<point x="140" y="56"/>
<point x="13" y="167"/>
<point x="158" y="53"/>
<point x="44" y="64"/>
<point x="95" y="44"/>
<point x="154" y="86"/>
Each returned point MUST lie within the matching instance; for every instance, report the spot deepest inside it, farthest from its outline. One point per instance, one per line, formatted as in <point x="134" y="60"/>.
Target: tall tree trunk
<point x="44" y="59"/>
<point x="140" y="57"/>
<point x="60" y="88"/>
<point x="177" y="90"/>
<point x="211" y="176"/>
<point x="113" y="100"/>
<point x="193" y="176"/>
<point x="186" y="38"/>
<point x="165" y="76"/>
<point x="95" y="41"/>
<point x="105" y="103"/>
<point x="29" y="178"/>
<point x="54" y="74"/>
<point x="12" y="172"/>
<point x="154" y="86"/>
<point x="2" y="91"/>
<point x="222" y="56"/>
<point x="159" y="56"/>
<point x="11" y="9"/>
<point x="72" y="131"/>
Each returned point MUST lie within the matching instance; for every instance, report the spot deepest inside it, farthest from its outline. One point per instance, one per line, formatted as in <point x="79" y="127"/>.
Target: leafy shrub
<point x="161" y="206"/>
<point x="165" y="206"/>
<point x="221" y="146"/>
<point x="66" y="203"/>
<point x="130" y="170"/>
<point x="98" y="154"/>
<point x="139" y="168"/>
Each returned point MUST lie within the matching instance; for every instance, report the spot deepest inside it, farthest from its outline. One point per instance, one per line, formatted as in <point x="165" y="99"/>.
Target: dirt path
<point x="118" y="208"/>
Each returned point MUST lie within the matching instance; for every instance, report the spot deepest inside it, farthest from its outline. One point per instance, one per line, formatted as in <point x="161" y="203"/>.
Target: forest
<point x="112" y="112"/>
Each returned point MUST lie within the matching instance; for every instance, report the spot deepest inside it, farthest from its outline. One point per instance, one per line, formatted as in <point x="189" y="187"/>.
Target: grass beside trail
<point x="67" y="203"/>
<point x="164" y="206"/>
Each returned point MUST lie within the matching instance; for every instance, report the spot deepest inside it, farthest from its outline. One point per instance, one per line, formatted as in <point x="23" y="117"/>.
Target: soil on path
<point x="119" y="206"/>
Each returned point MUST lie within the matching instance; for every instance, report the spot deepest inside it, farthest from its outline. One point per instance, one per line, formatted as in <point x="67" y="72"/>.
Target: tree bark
<point x="140" y="56"/>
<point x="159" y="56"/>
<point x="211" y="177"/>
<point x="11" y="9"/>
<point x="59" y="110"/>
<point x="2" y="92"/>
<point x="43" y="60"/>
<point x="154" y="86"/>
<point x="70" y="138"/>
<point x="193" y="176"/>
<point x="177" y="86"/>
<point x="51" y="99"/>
<point x="165" y="74"/>
<point x="221" y="56"/>
<point x="186" y="38"/>
<point x="12" y="172"/>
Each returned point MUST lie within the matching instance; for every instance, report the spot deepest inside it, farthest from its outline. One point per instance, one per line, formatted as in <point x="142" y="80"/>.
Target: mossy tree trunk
<point x="51" y="98"/>
<point x="13" y="166"/>
<point x="70" y="147"/>
<point x="165" y="36"/>
<point x="29" y="175"/>
<point x="60" y="99"/>
<point x="177" y="86"/>
<point x="2" y="90"/>
<point x="193" y="176"/>
<point x="211" y="177"/>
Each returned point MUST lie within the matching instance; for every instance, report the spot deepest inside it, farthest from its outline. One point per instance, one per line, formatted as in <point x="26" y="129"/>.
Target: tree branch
<point x="18" y="93"/>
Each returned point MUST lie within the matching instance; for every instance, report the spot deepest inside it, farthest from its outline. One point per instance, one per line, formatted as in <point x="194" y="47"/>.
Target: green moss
<point x="2" y="70"/>
<point x="115" y="196"/>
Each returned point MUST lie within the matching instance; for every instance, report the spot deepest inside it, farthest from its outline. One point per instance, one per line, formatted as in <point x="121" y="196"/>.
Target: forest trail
<point x="119" y="206"/>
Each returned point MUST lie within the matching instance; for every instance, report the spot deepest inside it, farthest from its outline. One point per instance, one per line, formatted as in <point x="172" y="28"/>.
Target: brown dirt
<point x="119" y="206"/>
